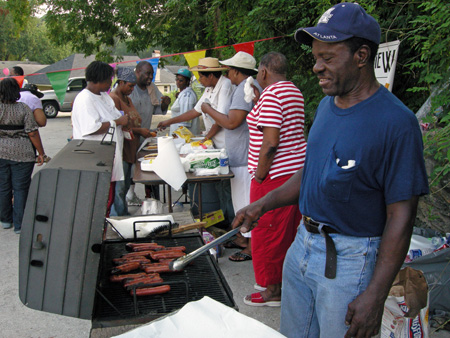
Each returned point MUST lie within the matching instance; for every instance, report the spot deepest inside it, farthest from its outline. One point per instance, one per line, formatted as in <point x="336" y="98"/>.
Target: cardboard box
<point x="212" y="218"/>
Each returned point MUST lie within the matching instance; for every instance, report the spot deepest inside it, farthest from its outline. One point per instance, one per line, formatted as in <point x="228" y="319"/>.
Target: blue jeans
<point x="313" y="305"/>
<point x="120" y="207"/>
<point x="14" y="177"/>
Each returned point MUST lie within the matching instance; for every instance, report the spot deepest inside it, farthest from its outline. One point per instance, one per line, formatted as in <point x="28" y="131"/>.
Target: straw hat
<point x="241" y="60"/>
<point x="208" y="65"/>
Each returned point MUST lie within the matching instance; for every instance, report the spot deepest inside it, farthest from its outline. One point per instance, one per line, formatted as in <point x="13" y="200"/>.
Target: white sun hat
<point x="241" y="60"/>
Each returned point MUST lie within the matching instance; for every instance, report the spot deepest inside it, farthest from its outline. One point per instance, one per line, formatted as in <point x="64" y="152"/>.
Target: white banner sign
<point x="385" y="62"/>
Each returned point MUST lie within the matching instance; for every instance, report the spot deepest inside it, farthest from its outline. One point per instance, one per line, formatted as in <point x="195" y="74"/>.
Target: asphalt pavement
<point x="16" y="320"/>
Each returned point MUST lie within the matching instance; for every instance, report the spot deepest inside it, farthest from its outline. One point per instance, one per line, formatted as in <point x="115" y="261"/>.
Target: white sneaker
<point x="134" y="200"/>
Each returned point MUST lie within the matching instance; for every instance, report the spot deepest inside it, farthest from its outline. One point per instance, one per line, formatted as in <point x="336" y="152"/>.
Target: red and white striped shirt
<point x="280" y="106"/>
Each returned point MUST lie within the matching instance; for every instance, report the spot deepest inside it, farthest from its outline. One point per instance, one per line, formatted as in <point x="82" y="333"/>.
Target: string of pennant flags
<point x="59" y="79"/>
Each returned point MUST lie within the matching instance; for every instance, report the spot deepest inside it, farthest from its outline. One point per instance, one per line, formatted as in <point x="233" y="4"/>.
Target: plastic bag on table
<point x="183" y="133"/>
<point x="151" y="206"/>
<point x="206" y="171"/>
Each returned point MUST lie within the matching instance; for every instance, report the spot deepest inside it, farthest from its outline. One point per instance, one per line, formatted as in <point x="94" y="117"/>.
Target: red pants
<point x="112" y="193"/>
<point x="274" y="234"/>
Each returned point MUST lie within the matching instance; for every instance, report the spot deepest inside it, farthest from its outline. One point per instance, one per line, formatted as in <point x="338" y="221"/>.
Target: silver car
<point x="50" y="102"/>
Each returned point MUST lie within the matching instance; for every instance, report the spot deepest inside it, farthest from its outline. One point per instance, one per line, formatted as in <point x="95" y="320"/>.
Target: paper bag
<point x="406" y="308"/>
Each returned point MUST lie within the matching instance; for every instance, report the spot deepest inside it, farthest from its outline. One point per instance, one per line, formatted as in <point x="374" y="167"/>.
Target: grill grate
<point x="202" y="278"/>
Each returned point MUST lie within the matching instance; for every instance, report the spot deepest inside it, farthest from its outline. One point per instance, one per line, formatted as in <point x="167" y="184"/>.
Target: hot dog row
<point x="152" y="259"/>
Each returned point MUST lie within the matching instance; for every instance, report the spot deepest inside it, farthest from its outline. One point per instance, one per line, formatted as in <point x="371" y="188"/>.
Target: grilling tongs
<point x="180" y="263"/>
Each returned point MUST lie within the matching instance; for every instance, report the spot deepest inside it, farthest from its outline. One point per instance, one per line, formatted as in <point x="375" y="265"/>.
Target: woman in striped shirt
<point x="276" y="151"/>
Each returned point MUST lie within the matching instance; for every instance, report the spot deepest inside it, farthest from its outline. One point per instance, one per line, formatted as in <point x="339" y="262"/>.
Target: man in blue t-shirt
<point x="358" y="191"/>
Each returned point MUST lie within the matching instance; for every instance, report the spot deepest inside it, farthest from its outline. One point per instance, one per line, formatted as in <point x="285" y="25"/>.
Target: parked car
<point x="50" y="102"/>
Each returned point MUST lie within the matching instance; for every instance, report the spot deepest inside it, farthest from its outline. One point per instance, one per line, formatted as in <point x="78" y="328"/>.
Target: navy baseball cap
<point x="341" y="22"/>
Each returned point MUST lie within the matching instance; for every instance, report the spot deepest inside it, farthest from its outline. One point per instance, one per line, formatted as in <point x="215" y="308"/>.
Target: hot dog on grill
<point x="139" y="253"/>
<point x="145" y="265"/>
<point x="156" y="268"/>
<point x="144" y="275"/>
<point x="170" y="248"/>
<point x="131" y="246"/>
<point x="166" y="254"/>
<point x="126" y="267"/>
<point x="164" y="261"/>
<point x="143" y="281"/>
<point x="157" y="290"/>
<point x="119" y="278"/>
<point x="140" y="259"/>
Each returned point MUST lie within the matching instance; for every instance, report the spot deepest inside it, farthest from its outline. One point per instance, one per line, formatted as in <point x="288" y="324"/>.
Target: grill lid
<point x="62" y="228"/>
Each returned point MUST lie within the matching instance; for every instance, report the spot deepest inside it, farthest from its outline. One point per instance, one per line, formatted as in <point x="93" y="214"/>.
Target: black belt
<point x="331" y="259"/>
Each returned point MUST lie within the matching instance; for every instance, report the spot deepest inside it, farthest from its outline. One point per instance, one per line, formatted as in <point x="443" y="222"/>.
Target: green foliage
<point x="430" y="39"/>
<point x="20" y="10"/>
<point x="173" y="97"/>
<point x="437" y="140"/>
<point x="25" y="37"/>
<point x="186" y="25"/>
<point x="7" y="32"/>
<point x="98" y="26"/>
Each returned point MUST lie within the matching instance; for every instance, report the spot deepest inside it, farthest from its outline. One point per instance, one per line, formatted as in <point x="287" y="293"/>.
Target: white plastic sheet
<point x="205" y="318"/>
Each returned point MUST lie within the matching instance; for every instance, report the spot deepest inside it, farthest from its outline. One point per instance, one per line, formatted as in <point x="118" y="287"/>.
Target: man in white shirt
<point x="218" y="93"/>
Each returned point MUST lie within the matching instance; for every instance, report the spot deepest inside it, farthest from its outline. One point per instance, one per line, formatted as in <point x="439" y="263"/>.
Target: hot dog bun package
<point x="208" y="158"/>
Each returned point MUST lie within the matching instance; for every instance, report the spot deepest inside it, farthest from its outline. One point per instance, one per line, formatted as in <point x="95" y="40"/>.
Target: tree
<point x="185" y="25"/>
<point x="33" y="44"/>
<point x="7" y="32"/>
<point x="25" y="37"/>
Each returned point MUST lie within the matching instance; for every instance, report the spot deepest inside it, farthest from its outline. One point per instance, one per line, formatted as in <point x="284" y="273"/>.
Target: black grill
<point x="202" y="278"/>
<point x="65" y="263"/>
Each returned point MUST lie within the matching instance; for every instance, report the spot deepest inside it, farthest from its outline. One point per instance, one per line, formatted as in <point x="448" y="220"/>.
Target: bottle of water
<point x="416" y="253"/>
<point x="438" y="241"/>
<point x="177" y="207"/>
<point x="223" y="158"/>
